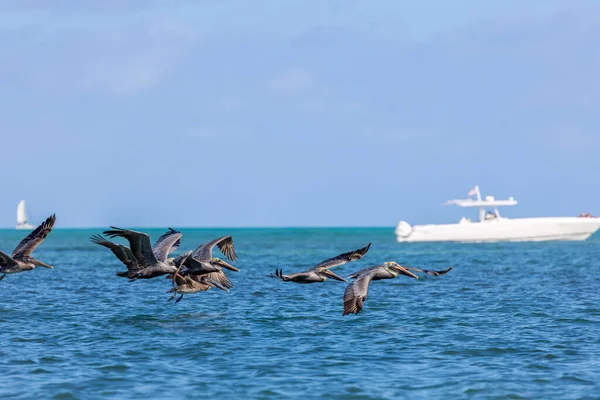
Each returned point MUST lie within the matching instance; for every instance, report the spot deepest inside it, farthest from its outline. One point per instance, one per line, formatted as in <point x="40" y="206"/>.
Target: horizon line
<point x="217" y="227"/>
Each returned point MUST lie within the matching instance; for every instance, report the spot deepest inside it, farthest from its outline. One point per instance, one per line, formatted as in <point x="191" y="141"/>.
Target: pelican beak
<point x="223" y="264"/>
<point x="404" y="271"/>
<point x="333" y="275"/>
<point x="42" y="264"/>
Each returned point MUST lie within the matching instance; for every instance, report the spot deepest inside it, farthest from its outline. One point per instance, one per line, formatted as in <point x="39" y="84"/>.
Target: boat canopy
<point x="483" y="203"/>
<point x="488" y="202"/>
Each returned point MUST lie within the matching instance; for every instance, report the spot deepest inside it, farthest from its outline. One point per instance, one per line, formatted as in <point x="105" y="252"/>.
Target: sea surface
<point x="511" y="320"/>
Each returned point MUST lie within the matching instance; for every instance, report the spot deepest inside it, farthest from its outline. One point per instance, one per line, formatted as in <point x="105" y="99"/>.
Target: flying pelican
<point x="21" y="259"/>
<point x="357" y="291"/>
<point x="201" y="262"/>
<point x="151" y="264"/>
<point x="125" y="255"/>
<point x="190" y="284"/>
<point x="320" y="272"/>
<point x="198" y="271"/>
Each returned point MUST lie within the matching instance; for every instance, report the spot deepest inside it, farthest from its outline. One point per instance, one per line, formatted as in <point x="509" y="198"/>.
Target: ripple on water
<point x="571" y="378"/>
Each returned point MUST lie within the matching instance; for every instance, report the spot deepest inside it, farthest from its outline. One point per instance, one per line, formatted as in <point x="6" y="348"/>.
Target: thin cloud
<point x="137" y="64"/>
<point x="293" y="81"/>
<point x="574" y="139"/>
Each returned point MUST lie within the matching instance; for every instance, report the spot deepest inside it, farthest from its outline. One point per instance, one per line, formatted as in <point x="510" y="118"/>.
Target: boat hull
<point x="501" y="230"/>
<point x="24" y="226"/>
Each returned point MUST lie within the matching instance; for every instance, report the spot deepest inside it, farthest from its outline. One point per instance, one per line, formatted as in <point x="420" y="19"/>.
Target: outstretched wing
<point x="34" y="239"/>
<point x="6" y="260"/>
<point x="123" y="253"/>
<point x="175" y="246"/>
<point x="365" y="271"/>
<point x="356" y="292"/>
<point x="343" y="258"/>
<point x="165" y="244"/>
<point x="225" y="244"/>
<point x="430" y="271"/>
<point x="220" y="277"/>
<point x="139" y="243"/>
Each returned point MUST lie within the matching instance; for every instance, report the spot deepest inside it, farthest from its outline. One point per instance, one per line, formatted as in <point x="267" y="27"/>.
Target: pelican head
<point x="221" y="263"/>
<point x="394" y="266"/>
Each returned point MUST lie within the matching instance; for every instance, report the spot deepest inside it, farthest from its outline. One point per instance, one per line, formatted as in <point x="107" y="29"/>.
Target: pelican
<point x="357" y="291"/>
<point x="151" y="264"/>
<point x="125" y="255"/>
<point x="21" y="259"/>
<point x="190" y="284"/>
<point x="202" y="262"/>
<point x="320" y="272"/>
<point x="216" y="273"/>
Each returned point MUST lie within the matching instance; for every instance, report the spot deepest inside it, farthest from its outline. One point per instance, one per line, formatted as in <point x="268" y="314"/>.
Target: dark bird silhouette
<point x="320" y="272"/>
<point x="21" y="259"/>
<point x="357" y="291"/>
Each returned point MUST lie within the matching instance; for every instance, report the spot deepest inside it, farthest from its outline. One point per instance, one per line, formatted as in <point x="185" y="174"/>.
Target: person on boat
<point x="490" y="215"/>
<point x="586" y="215"/>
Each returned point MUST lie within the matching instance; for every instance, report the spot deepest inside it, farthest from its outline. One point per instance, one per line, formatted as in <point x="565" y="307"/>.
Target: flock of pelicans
<point x="198" y="271"/>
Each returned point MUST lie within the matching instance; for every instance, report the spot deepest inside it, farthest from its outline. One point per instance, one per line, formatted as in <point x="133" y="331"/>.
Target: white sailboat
<point x="22" y="222"/>
<point x="491" y="227"/>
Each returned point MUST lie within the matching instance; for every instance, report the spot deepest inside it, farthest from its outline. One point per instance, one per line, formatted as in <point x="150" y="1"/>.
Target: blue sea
<point x="511" y="320"/>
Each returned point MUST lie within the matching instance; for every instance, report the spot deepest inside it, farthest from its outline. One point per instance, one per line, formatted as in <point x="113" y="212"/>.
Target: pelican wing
<point x="177" y="260"/>
<point x="430" y="271"/>
<point x="193" y="266"/>
<point x="365" y="271"/>
<point x="175" y="246"/>
<point x="220" y="277"/>
<point x="356" y="292"/>
<point x="225" y="244"/>
<point x="139" y="243"/>
<point x="33" y="240"/>
<point x="6" y="260"/>
<point x="343" y="258"/>
<point x="179" y="280"/>
<point x="167" y="243"/>
<point x="123" y="253"/>
<point x="298" y="277"/>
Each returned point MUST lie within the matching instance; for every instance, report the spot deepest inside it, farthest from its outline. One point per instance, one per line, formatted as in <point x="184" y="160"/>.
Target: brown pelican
<point x="216" y="275"/>
<point x="202" y="262"/>
<point x="357" y="291"/>
<point x="151" y="264"/>
<point x="320" y="272"/>
<point x="125" y="255"/>
<point x="190" y="284"/>
<point x="21" y="259"/>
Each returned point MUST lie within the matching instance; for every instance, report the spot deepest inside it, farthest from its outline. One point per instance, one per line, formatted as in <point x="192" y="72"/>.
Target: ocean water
<point x="511" y="320"/>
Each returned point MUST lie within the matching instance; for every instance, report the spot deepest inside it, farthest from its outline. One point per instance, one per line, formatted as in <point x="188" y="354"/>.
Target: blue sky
<point x="295" y="113"/>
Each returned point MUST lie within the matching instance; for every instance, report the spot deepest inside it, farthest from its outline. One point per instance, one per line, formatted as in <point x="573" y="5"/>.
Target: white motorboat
<point x="22" y="222"/>
<point x="491" y="227"/>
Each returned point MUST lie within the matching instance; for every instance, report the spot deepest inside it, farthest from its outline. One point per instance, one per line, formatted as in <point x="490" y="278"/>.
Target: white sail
<point x="21" y="213"/>
<point x="22" y="216"/>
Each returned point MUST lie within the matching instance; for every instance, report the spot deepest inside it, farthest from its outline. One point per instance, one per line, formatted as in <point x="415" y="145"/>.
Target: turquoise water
<point x="511" y="320"/>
